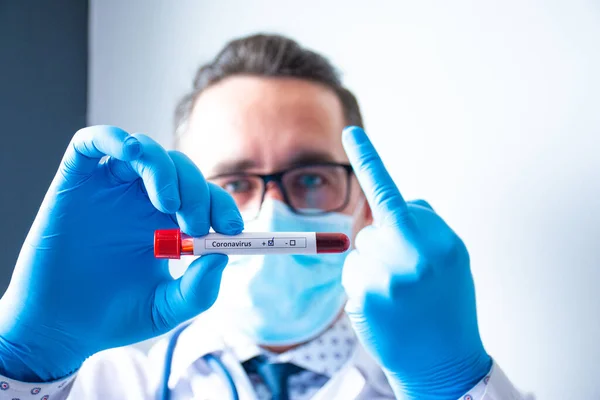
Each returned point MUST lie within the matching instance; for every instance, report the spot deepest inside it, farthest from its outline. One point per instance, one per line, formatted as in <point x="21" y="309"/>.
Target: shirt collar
<point x="325" y="355"/>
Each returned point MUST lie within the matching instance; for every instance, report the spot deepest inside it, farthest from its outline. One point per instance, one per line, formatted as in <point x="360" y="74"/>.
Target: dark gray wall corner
<point x="43" y="101"/>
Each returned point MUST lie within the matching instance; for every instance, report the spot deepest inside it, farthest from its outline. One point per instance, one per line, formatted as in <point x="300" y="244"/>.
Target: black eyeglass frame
<point x="277" y="178"/>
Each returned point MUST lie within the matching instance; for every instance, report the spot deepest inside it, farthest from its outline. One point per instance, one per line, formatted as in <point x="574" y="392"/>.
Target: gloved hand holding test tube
<point x="407" y="285"/>
<point x="171" y="243"/>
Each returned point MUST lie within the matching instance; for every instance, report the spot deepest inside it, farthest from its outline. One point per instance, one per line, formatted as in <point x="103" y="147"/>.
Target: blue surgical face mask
<point x="285" y="299"/>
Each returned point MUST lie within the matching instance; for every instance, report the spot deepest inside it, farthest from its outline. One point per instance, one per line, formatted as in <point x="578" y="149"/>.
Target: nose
<point x="273" y="191"/>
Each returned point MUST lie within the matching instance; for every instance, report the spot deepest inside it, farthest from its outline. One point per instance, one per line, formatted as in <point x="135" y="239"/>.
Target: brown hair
<point x="268" y="56"/>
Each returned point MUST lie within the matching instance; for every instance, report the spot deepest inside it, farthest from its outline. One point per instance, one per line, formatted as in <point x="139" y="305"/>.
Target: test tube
<point x="172" y="243"/>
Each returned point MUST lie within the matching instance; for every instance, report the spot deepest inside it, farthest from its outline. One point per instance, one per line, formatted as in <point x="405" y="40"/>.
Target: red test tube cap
<point x="167" y="243"/>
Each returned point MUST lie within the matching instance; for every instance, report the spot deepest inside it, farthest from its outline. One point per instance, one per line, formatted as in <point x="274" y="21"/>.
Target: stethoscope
<point x="213" y="362"/>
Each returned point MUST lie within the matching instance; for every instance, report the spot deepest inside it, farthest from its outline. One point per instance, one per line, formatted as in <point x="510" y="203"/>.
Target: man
<point x="264" y="123"/>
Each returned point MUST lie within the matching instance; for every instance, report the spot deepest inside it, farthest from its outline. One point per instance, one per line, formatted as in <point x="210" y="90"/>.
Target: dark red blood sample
<point x="332" y="242"/>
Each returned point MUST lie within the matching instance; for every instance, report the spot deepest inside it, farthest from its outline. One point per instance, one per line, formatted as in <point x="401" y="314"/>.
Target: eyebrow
<point x="299" y="159"/>
<point x="310" y="157"/>
<point x="234" y="166"/>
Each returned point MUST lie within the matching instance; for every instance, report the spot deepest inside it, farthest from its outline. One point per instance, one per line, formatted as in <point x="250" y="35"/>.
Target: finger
<point x="120" y="171"/>
<point x="184" y="298"/>
<point x="194" y="215"/>
<point x="158" y="174"/>
<point x="391" y="247"/>
<point x="157" y="171"/>
<point x="380" y="190"/>
<point x="422" y="203"/>
<point x="225" y="216"/>
<point x="358" y="282"/>
<point x="90" y="144"/>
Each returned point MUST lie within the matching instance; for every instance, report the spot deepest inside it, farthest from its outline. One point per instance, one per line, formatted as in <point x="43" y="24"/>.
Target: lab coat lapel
<point x="208" y="384"/>
<point x="347" y="383"/>
<point x="360" y="379"/>
<point x="240" y="378"/>
<point x="191" y="376"/>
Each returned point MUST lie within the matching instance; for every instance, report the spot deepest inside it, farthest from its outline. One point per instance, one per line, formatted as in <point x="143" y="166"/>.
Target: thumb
<point x="191" y="294"/>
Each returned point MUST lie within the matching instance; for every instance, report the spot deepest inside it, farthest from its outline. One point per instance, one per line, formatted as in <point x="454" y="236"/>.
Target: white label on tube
<point x="257" y="243"/>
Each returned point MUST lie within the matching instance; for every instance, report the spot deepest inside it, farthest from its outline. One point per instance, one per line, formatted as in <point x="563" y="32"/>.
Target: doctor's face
<point x="258" y="125"/>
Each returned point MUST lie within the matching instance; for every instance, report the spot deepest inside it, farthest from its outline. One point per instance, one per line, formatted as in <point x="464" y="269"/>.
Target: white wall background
<point x="496" y="106"/>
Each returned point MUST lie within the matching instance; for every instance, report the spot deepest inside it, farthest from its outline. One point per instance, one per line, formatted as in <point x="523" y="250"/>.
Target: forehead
<point x="265" y="122"/>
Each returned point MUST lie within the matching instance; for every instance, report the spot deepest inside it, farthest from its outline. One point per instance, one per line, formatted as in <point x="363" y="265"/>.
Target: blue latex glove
<point x="410" y="289"/>
<point x="86" y="278"/>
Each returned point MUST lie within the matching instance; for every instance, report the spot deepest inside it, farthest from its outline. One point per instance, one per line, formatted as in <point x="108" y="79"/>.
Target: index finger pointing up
<point x="381" y="192"/>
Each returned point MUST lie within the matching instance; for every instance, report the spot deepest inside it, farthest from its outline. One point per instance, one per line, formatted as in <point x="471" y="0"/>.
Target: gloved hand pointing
<point x="410" y="289"/>
<point x="86" y="278"/>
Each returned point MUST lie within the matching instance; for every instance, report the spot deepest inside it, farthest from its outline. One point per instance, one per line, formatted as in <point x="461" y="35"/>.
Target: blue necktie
<point x="274" y="375"/>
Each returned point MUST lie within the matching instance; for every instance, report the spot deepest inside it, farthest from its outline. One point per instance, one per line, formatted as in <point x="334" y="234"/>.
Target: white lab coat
<point x="127" y="373"/>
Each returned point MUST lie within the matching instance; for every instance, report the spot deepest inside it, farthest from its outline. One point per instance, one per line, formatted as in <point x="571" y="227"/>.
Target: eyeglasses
<point x="312" y="189"/>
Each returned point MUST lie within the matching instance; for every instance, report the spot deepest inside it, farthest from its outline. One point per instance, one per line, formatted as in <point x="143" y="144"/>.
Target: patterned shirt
<point x="321" y="359"/>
